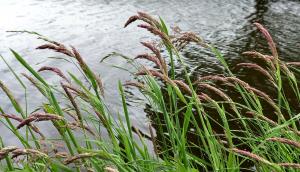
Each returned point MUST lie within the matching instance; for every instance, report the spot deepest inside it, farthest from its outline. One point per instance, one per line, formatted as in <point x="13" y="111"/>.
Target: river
<point x="95" y="27"/>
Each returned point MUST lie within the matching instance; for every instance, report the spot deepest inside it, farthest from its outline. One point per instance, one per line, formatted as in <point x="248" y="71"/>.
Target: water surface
<point x="95" y="27"/>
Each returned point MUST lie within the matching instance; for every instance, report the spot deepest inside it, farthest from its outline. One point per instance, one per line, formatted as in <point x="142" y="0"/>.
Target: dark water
<point x="95" y="27"/>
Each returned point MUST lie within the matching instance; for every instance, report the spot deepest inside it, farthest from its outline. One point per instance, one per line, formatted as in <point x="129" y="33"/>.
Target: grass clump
<point x="199" y="124"/>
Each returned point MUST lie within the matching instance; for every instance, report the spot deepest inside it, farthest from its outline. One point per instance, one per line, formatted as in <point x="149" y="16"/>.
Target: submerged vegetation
<point x="212" y="123"/>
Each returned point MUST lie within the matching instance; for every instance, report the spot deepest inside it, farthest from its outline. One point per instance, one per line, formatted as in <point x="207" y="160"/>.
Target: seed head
<point x="55" y="70"/>
<point x="285" y="141"/>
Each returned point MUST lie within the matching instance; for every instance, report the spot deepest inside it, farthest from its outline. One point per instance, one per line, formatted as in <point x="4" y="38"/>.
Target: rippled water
<point x="95" y="27"/>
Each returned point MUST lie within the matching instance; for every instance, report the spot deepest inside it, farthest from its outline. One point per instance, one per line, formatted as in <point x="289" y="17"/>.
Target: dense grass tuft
<point x="214" y="123"/>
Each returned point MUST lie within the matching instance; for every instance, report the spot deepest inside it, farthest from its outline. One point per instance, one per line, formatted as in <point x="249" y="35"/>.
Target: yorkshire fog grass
<point x="199" y="125"/>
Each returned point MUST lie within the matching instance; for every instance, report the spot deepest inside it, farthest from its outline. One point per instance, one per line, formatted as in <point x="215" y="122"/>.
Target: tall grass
<point x="199" y="125"/>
